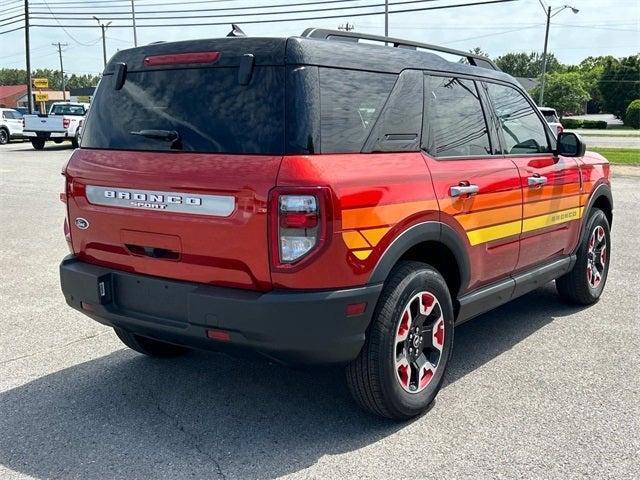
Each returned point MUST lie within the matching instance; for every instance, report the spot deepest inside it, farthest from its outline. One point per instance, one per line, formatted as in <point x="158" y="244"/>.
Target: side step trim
<point x="487" y="298"/>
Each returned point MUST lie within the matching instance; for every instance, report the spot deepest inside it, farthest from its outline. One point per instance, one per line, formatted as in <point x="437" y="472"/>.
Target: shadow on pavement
<point x="126" y="416"/>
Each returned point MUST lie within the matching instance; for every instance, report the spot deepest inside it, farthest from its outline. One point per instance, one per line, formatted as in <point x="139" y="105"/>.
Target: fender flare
<point x="416" y="234"/>
<point x="602" y="190"/>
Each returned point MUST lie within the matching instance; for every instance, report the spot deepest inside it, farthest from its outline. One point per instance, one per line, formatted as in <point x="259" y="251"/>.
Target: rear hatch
<point x="181" y="147"/>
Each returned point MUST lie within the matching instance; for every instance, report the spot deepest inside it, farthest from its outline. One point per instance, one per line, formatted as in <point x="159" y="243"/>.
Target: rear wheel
<point x="584" y="284"/>
<point x="38" y="143"/>
<point x="149" y="346"/>
<point x="4" y="136"/>
<point x="401" y="366"/>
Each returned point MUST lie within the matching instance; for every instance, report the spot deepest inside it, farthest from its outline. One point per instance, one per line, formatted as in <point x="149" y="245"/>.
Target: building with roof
<point x="10" y="94"/>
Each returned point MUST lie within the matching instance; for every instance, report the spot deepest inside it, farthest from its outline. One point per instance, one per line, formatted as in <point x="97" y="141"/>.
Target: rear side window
<point x="67" y="110"/>
<point x="350" y="104"/>
<point x="208" y="108"/>
<point x="11" y="115"/>
<point x="523" y="131"/>
<point x="455" y="123"/>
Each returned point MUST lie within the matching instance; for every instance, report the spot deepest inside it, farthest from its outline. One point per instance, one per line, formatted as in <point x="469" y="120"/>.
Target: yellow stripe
<point x="483" y="235"/>
<point x="362" y="254"/>
<point x="488" y="234"/>
<point x="555" y="218"/>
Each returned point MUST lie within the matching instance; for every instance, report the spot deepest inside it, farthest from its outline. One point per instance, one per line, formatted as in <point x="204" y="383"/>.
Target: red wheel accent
<point x="419" y="342"/>
<point x="403" y="328"/>
<point x="596" y="256"/>
<point x="438" y="334"/>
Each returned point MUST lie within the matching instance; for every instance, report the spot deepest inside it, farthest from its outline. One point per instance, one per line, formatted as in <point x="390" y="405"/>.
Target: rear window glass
<point x="550" y="116"/>
<point x="67" y="110"/>
<point x="350" y="104"/>
<point x="207" y="108"/>
<point x="456" y="124"/>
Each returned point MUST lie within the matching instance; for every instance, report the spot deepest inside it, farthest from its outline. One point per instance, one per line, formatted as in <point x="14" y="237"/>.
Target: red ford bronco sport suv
<point x="319" y="199"/>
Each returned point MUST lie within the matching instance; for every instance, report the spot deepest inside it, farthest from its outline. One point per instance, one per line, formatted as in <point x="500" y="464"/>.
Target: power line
<point x="64" y="29"/>
<point x="199" y="10"/>
<point x="410" y="10"/>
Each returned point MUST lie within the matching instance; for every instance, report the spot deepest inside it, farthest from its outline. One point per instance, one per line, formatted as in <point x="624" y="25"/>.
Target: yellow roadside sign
<point x="42" y="97"/>
<point x="41" y="82"/>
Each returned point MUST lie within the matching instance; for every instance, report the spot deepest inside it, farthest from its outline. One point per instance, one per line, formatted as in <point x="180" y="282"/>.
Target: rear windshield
<point x="201" y="110"/>
<point x="67" y="110"/>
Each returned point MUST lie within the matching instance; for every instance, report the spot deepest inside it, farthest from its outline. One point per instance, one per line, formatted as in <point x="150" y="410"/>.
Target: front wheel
<point x="401" y="366"/>
<point x="149" y="346"/>
<point x="4" y="136"/>
<point x="38" y="143"/>
<point x="584" y="284"/>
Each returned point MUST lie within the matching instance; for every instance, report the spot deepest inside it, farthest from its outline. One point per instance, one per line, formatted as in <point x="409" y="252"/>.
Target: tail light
<point x="299" y="224"/>
<point x="65" y="122"/>
<point x="560" y="129"/>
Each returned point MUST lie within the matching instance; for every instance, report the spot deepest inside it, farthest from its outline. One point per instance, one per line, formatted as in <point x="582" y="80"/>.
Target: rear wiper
<point x="168" y="135"/>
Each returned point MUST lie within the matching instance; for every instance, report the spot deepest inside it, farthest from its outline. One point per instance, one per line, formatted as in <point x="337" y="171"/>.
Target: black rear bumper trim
<point x="294" y="326"/>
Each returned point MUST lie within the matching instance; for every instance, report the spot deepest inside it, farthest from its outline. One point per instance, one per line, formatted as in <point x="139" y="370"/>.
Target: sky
<point x="602" y="27"/>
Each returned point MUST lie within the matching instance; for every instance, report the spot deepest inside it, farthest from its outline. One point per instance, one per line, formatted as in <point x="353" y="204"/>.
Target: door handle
<point x="458" y="190"/>
<point x="536" y="181"/>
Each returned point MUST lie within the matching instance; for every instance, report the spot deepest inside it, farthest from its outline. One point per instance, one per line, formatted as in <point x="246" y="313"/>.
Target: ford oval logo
<point x="82" y="223"/>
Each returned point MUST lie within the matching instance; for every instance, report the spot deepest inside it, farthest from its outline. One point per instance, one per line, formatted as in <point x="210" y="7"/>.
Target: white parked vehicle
<point x="10" y="125"/>
<point x="61" y="123"/>
<point x="551" y="116"/>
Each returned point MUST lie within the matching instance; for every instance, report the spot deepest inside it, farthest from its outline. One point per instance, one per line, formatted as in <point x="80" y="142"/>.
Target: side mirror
<point x="570" y="145"/>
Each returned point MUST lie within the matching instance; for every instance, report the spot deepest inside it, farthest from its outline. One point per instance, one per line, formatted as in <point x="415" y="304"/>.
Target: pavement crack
<point x="192" y="436"/>
<point x="57" y="347"/>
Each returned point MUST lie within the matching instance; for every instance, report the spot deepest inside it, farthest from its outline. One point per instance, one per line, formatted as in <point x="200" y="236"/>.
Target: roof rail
<point x="340" y="35"/>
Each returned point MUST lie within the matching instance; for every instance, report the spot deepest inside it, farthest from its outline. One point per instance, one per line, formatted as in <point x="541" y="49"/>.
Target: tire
<point x="38" y="143"/>
<point x="57" y="141"/>
<point x="149" y="346"/>
<point x="4" y="136"/>
<point x="385" y="378"/>
<point x="584" y="284"/>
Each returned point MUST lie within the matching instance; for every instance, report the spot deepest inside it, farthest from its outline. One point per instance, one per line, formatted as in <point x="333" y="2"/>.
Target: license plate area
<point x="151" y="297"/>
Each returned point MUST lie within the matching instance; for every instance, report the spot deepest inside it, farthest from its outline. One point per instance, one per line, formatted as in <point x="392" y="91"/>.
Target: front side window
<point x="350" y="102"/>
<point x="523" y="131"/>
<point x="455" y="123"/>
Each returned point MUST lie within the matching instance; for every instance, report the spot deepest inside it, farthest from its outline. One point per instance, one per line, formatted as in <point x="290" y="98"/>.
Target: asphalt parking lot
<point x="536" y="389"/>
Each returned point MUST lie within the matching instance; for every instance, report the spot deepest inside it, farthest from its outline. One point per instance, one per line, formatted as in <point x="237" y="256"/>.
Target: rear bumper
<point x="293" y="326"/>
<point x="45" y="135"/>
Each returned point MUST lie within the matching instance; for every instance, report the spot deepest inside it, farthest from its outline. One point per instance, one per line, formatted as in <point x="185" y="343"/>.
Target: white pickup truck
<point x="61" y="123"/>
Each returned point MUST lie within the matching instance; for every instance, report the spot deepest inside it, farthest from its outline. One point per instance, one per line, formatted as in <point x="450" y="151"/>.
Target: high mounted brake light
<point x="181" y="58"/>
<point x="300" y="220"/>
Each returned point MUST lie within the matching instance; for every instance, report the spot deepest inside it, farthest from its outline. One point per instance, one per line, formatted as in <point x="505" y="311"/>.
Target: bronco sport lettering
<point x="322" y="201"/>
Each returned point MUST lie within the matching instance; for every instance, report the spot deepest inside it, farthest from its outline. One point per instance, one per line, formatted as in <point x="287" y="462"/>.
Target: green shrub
<point x="594" y="124"/>
<point x="632" y="117"/>
<point x="571" y="123"/>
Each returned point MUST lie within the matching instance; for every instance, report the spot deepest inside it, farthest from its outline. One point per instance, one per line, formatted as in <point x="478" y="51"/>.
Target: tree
<point x="14" y="76"/>
<point x="632" y="117"/>
<point x="566" y="92"/>
<point x="527" y="64"/>
<point x="620" y="84"/>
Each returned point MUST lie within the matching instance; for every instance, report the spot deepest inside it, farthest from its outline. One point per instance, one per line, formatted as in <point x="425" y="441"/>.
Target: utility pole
<point x="103" y="27"/>
<point x="549" y="13"/>
<point x="28" y="53"/>
<point x="60" y="45"/>
<point x="386" y="18"/>
<point x="133" y="16"/>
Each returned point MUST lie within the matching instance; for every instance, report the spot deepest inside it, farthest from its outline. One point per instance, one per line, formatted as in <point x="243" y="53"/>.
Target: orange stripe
<point x="550" y="191"/>
<point x="485" y="218"/>
<point x="549" y="206"/>
<point x="480" y="202"/>
<point x="384" y="214"/>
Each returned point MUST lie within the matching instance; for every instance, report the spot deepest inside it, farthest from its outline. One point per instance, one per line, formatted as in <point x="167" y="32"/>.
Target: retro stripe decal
<point x="364" y="228"/>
